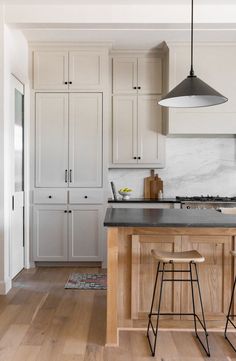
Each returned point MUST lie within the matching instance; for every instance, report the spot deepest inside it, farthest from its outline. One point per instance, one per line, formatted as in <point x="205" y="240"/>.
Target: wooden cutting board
<point x="147" y="181"/>
<point x="156" y="185"/>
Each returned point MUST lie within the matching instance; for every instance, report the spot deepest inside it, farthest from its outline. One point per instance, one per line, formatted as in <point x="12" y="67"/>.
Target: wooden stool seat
<point x="178" y="257"/>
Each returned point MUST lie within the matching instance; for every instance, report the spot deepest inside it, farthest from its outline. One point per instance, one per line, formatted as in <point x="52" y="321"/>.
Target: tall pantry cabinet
<point x="69" y="90"/>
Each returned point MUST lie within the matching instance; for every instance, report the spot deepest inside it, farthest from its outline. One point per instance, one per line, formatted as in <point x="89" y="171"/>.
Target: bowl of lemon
<point x="125" y="193"/>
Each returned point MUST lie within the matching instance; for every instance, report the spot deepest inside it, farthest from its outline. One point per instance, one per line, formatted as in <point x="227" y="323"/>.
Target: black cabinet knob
<point x="134" y="87"/>
<point x="70" y="211"/>
<point x="85" y="196"/>
<point x="139" y="157"/>
<point x="66" y="82"/>
<point x="70" y="82"/>
<point x="65" y="211"/>
<point x="50" y="197"/>
<point x="139" y="87"/>
<point x="135" y="157"/>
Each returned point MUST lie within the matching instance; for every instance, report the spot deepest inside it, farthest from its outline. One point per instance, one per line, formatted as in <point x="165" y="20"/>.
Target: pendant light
<point x="192" y="92"/>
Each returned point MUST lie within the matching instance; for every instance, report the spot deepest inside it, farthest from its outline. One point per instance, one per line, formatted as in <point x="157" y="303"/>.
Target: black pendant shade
<point x="192" y="92"/>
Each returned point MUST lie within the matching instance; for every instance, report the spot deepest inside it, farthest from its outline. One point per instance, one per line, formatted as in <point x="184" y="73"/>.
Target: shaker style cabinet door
<point x="50" y="233"/>
<point x="84" y="233"/>
<point x="51" y="132"/>
<point x="85" y="140"/>
<point x="124" y="75"/>
<point x="125" y="129"/>
<point x="50" y="70"/>
<point x="149" y="130"/>
<point x="85" y="70"/>
<point x="149" y="76"/>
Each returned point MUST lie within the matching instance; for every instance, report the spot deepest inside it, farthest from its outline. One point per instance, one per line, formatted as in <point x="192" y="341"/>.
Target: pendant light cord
<point x="191" y="69"/>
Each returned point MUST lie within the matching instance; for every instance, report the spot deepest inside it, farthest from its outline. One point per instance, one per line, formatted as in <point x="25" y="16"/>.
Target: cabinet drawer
<point x="50" y="196"/>
<point x="86" y="196"/>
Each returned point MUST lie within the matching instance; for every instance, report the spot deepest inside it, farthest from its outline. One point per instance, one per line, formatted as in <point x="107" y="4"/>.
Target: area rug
<point x="87" y="281"/>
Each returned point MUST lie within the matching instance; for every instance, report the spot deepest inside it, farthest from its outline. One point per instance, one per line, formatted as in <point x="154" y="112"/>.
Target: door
<point x="17" y="171"/>
<point x="84" y="233"/>
<point x="51" y="70"/>
<point x="85" y="70"/>
<point x="149" y="130"/>
<point x="150" y="75"/>
<point x="51" y="132"/>
<point x="85" y="140"/>
<point x="124" y="75"/>
<point x="50" y="224"/>
<point x="125" y="129"/>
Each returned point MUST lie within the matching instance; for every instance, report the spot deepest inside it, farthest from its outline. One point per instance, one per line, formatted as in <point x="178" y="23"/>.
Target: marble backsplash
<point x="194" y="166"/>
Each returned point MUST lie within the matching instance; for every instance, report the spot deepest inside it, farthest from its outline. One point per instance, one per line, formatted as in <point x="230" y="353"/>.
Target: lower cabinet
<point x="67" y="233"/>
<point x="215" y="275"/>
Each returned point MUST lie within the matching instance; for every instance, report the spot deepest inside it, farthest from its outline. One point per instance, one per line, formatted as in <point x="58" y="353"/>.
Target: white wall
<point x="194" y="166"/>
<point x="15" y="61"/>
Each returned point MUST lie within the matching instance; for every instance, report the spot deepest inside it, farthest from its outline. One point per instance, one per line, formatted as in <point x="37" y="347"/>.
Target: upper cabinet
<point x="132" y="75"/>
<point x="214" y="64"/>
<point x="79" y="69"/>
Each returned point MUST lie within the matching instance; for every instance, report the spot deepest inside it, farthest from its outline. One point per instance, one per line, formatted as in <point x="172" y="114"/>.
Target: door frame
<point x="16" y="83"/>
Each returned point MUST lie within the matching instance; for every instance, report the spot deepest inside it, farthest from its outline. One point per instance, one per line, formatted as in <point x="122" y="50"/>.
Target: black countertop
<point x="133" y="217"/>
<point x="144" y="200"/>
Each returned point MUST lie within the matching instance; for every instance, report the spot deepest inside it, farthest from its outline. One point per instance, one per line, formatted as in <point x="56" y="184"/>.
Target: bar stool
<point x="229" y="315"/>
<point x="188" y="257"/>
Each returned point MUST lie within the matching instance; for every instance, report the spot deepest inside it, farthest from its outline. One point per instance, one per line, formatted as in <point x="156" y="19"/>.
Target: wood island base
<point x="131" y="272"/>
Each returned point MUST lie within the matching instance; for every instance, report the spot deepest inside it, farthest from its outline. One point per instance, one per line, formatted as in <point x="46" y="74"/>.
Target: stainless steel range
<point x="203" y="202"/>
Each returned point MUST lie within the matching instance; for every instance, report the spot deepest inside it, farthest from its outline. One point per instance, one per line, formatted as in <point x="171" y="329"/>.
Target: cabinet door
<point x="150" y="76"/>
<point x="85" y="140"/>
<point x="214" y="274"/>
<point x="85" y="70"/>
<point x="50" y="70"/>
<point x="125" y="129"/>
<point x="150" y="141"/>
<point x="51" y="134"/>
<point x="50" y="233"/>
<point x="84" y="233"/>
<point x="143" y="273"/>
<point x="124" y="75"/>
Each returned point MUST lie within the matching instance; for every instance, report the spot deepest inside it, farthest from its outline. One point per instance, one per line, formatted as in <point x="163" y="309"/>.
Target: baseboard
<point x="69" y="264"/>
<point x="5" y="286"/>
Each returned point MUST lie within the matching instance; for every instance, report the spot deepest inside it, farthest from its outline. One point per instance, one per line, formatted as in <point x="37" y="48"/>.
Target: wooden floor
<point x="41" y="321"/>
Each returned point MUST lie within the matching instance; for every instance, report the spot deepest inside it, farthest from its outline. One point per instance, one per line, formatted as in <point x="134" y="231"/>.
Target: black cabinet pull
<point x="139" y="157"/>
<point x="134" y="157"/>
<point x="70" y="211"/>
<point x="49" y="196"/>
<point x="134" y="87"/>
<point x="66" y="82"/>
<point x="70" y="175"/>
<point x="65" y="211"/>
<point x="66" y="174"/>
<point x="139" y="87"/>
<point x="85" y="197"/>
<point x="70" y="82"/>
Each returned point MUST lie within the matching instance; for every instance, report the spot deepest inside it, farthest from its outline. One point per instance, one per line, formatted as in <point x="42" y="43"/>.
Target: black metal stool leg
<point x="155" y="331"/>
<point x="229" y="315"/>
<point x="193" y="300"/>
<point x="153" y="297"/>
<point x="203" y="322"/>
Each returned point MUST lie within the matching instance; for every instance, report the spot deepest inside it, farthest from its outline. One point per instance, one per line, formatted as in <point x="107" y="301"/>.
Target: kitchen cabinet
<point x="50" y="233"/>
<point x="67" y="233"/>
<point x="80" y="69"/>
<point x="210" y="58"/>
<point x="132" y="75"/>
<point x="137" y="126"/>
<point x="84" y="233"/>
<point x="68" y="140"/>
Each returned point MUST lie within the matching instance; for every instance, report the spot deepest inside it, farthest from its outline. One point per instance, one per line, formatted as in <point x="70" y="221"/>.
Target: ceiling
<point x="117" y="2"/>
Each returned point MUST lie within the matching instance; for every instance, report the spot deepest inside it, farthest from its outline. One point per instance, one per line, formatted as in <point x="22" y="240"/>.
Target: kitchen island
<point x="132" y="233"/>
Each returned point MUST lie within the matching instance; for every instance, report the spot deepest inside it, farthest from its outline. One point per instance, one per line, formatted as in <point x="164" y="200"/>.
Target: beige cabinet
<point x="142" y="75"/>
<point x="137" y="126"/>
<point x="68" y="140"/>
<point x="84" y="233"/>
<point x="67" y="233"/>
<point x="79" y="69"/>
<point x="50" y="233"/>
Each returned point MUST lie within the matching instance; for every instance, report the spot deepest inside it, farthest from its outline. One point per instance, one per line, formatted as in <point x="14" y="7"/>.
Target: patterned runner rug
<point x="87" y="281"/>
